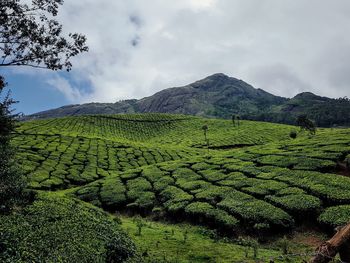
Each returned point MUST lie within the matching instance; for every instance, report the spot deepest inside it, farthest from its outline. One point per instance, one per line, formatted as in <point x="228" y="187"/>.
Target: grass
<point x="162" y="242"/>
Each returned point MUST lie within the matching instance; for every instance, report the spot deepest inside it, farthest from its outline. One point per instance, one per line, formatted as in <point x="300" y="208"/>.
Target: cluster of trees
<point x="29" y="36"/>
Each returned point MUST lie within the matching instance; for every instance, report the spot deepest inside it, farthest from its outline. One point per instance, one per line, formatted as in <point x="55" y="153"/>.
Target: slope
<point x="157" y="164"/>
<point x="221" y="96"/>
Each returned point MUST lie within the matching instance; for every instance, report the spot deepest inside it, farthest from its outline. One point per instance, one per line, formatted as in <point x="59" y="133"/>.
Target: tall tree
<point x="233" y="118"/>
<point x="11" y="179"/>
<point x="306" y="124"/>
<point x="29" y="36"/>
<point x="205" y="130"/>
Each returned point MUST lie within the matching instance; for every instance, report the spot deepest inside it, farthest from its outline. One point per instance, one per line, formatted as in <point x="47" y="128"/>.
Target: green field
<point x="253" y="179"/>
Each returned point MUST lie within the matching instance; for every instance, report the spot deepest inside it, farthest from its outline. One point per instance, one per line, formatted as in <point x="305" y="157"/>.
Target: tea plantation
<point x="252" y="179"/>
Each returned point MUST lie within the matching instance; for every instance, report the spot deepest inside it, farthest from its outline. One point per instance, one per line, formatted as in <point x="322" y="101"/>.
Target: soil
<point x="343" y="169"/>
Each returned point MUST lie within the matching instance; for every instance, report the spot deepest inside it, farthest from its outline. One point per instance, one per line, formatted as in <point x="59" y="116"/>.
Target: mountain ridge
<point x="220" y="96"/>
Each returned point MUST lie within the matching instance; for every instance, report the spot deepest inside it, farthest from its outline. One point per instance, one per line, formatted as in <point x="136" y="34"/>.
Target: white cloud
<point x="62" y="85"/>
<point x="138" y="47"/>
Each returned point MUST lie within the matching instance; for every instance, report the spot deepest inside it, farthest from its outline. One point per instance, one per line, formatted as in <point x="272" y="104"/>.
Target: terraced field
<point x="254" y="178"/>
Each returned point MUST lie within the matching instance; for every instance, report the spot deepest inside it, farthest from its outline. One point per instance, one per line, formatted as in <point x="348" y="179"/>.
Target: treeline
<point x="333" y="114"/>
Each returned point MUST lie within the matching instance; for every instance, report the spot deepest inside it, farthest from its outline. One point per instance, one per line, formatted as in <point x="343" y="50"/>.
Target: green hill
<point x="221" y="96"/>
<point x="253" y="180"/>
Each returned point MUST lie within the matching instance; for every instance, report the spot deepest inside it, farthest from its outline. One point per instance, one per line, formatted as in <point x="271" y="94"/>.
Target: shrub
<point x="293" y="134"/>
<point x="329" y="187"/>
<point x="198" y="208"/>
<point x="213" y="175"/>
<point x="257" y="211"/>
<point x="57" y="229"/>
<point x="222" y="219"/>
<point x="163" y="183"/>
<point x="193" y="186"/>
<point x="296" y="202"/>
<point x="153" y="173"/>
<point x="212" y="194"/>
<point x="175" y="199"/>
<point x="146" y="200"/>
<point x="137" y="186"/>
<point x="185" y="173"/>
<point x="335" y="216"/>
<point x="112" y="192"/>
<point x="89" y="193"/>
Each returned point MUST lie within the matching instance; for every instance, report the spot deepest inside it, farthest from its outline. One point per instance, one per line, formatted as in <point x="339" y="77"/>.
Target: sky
<point x="139" y="47"/>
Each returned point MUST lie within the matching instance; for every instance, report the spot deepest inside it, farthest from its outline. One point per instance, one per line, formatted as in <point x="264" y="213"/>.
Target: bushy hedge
<point x="205" y="212"/>
<point x="213" y="175"/>
<point x="330" y="187"/>
<point x="335" y="216"/>
<point x="113" y="192"/>
<point x="253" y="210"/>
<point x="57" y="229"/>
<point x="296" y="202"/>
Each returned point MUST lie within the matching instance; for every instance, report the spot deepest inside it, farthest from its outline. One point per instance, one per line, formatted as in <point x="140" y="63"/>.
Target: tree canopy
<point x="30" y="36"/>
<point x="306" y="124"/>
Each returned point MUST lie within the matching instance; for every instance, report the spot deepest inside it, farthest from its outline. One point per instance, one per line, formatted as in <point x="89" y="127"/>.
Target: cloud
<point x="139" y="47"/>
<point x="62" y="85"/>
<point x="279" y="79"/>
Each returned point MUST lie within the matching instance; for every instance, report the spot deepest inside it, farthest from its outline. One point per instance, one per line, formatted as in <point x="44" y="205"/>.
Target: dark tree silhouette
<point x="205" y="130"/>
<point x="238" y="118"/>
<point x="30" y="36"/>
<point x="233" y="119"/>
<point x="11" y="179"/>
<point x="306" y="124"/>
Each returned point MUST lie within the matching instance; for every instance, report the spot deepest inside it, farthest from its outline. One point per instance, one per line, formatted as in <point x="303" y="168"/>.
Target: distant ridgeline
<point x="221" y="96"/>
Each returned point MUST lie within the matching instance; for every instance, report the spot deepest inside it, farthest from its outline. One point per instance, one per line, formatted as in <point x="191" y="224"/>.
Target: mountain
<point x="221" y="96"/>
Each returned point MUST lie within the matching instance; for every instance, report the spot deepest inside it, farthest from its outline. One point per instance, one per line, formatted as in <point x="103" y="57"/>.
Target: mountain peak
<point x="305" y="95"/>
<point x="215" y="81"/>
<point x="218" y="76"/>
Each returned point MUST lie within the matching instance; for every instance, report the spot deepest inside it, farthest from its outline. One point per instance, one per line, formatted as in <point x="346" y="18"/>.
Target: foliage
<point x="202" y="245"/>
<point x="335" y="216"/>
<point x="306" y="124"/>
<point x="293" y="134"/>
<point x="59" y="229"/>
<point x="154" y="164"/>
<point x="29" y="36"/>
<point x="11" y="179"/>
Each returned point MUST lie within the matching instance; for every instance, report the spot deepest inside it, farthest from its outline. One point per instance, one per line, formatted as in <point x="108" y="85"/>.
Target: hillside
<point x="221" y="96"/>
<point x="253" y="180"/>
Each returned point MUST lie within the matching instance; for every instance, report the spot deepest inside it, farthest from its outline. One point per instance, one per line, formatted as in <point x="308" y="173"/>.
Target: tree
<point x="11" y="179"/>
<point x="30" y="36"/>
<point x="233" y="120"/>
<point x="238" y="118"/>
<point x="205" y="130"/>
<point x="339" y="243"/>
<point x="306" y="124"/>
